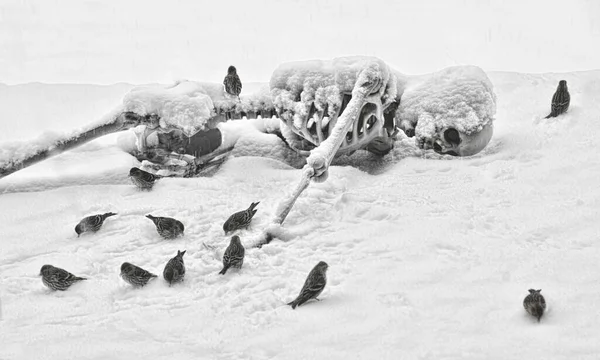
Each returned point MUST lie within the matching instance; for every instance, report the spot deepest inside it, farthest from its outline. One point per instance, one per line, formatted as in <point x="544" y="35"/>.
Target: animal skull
<point x="450" y="141"/>
<point x="451" y="111"/>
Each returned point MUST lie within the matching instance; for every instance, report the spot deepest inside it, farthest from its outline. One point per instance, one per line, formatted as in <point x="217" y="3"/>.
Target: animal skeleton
<point x="325" y="109"/>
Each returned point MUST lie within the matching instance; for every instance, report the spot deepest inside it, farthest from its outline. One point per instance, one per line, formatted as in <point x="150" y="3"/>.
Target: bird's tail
<point x="549" y="116"/>
<point x="152" y="275"/>
<point x="293" y="304"/>
<point x="109" y="214"/>
<point x="225" y="268"/>
<point x="79" y="278"/>
<point x="253" y="205"/>
<point x="539" y="311"/>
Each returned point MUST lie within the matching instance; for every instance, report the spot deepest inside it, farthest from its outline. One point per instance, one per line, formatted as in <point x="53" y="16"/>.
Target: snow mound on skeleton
<point x="297" y="85"/>
<point x="461" y="97"/>
<point x="187" y="105"/>
<point x="267" y="146"/>
<point x="256" y="101"/>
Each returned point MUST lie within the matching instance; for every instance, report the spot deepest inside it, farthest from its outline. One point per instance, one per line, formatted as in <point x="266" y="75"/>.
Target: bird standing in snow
<point x="234" y="255"/>
<point x="232" y="82"/>
<point x="57" y="278"/>
<point x="92" y="223"/>
<point x="535" y="304"/>
<point x="142" y="179"/>
<point x="135" y="275"/>
<point x="560" y="100"/>
<point x="175" y="268"/>
<point x="313" y="286"/>
<point x="240" y="219"/>
<point x="167" y="227"/>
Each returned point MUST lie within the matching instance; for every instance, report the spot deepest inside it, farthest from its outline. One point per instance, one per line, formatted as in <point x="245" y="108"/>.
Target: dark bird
<point x="135" y="275"/>
<point x="142" y="179"/>
<point x="167" y="227"/>
<point x="232" y="82"/>
<point x="92" y="223"/>
<point x="175" y="268"/>
<point x="535" y="304"/>
<point x="57" y="278"/>
<point x="313" y="286"/>
<point x="240" y="219"/>
<point x="560" y="100"/>
<point x="234" y="255"/>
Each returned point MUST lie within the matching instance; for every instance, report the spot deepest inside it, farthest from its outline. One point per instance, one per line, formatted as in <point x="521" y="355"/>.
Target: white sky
<point x="140" y="41"/>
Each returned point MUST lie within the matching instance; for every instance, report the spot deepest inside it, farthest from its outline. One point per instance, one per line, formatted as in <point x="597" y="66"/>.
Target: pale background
<point x="141" y="41"/>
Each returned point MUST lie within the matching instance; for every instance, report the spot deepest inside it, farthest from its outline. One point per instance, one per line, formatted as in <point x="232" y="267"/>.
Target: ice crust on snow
<point x="460" y="96"/>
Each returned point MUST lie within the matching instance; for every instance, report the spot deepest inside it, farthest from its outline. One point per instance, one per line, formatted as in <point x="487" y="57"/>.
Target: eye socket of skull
<point x="468" y="144"/>
<point x="452" y="136"/>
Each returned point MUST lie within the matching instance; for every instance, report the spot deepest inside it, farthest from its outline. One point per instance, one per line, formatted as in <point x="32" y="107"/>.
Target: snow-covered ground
<point x="430" y="257"/>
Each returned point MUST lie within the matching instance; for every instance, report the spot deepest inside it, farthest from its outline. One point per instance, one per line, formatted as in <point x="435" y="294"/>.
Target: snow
<point x="16" y="151"/>
<point x="460" y="96"/>
<point x="430" y="256"/>
<point x="187" y="105"/>
<point x="295" y="84"/>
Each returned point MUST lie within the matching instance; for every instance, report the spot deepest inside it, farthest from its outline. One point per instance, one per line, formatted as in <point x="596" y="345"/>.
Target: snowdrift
<point x="431" y="258"/>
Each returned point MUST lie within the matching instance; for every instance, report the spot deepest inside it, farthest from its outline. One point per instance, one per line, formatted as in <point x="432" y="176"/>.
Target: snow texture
<point x="186" y="106"/>
<point x="461" y="97"/>
<point x="297" y="85"/>
<point x="12" y="152"/>
<point x="429" y="259"/>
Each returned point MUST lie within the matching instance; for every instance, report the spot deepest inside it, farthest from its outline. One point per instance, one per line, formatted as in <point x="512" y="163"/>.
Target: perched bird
<point x="232" y="82"/>
<point x="135" y="275"/>
<point x="92" y="223"/>
<point x="175" y="268"/>
<point x="167" y="227"/>
<point x="535" y="304"/>
<point x="234" y="255"/>
<point x="142" y="179"/>
<point x="560" y="100"/>
<point x="240" y="219"/>
<point x="57" y="278"/>
<point x="313" y="286"/>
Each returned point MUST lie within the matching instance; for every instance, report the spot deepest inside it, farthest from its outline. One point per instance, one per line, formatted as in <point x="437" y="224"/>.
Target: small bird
<point x="175" y="268"/>
<point x="92" y="223"/>
<point x="234" y="255"/>
<point x="142" y="179"/>
<point x="167" y="227"/>
<point x="57" y="278"/>
<point x="560" y="100"/>
<point x="135" y="275"/>
<point x="232" y="82"/>
<point x="313" y="286"/>
<point x="535" y="304"/>
<point x="240" y="219"/>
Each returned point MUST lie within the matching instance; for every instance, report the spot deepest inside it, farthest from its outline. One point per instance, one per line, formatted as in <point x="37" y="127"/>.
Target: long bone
<point x="366" y="89"/>
<point x="119" y="121"/>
